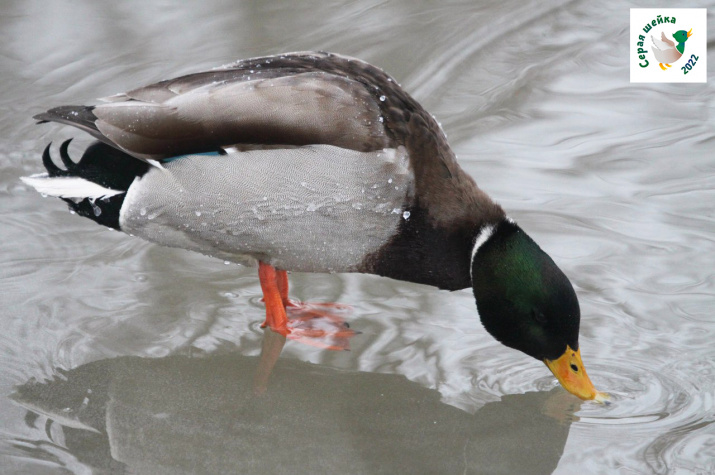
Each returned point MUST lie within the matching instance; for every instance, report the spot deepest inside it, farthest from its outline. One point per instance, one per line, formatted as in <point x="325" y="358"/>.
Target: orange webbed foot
<point x="320" y="324"/>
<point x="316" y="324"/>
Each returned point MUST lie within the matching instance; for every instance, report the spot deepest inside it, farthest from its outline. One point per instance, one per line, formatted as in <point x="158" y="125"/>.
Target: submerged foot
<point x="316" y="324"/>
<point x="320" y="324"/>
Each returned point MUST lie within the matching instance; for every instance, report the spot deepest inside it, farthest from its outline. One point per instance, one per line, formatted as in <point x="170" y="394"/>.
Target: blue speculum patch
<point x="208" y="154"/>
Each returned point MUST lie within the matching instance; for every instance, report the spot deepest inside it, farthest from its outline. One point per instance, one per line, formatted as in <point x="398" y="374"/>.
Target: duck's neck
<point x="424" y="253"/>
<point x="681" y="47"/>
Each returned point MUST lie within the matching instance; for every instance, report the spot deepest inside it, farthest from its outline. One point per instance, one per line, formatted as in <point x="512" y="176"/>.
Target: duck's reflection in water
<point x="202" y="415"/>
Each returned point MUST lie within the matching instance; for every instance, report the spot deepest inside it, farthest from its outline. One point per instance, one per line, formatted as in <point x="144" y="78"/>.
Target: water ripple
<point x="614" y="180"/>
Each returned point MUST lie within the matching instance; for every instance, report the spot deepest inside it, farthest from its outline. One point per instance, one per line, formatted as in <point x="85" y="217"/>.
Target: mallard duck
<point x="666" y="51"/>
<point x="314" y="162"/>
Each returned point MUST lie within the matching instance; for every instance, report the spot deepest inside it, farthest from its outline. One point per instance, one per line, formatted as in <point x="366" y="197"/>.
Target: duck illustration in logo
<point x="666" y="51"/>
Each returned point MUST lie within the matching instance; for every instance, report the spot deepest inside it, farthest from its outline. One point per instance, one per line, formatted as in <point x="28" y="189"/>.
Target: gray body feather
<point x="310" y="209"/>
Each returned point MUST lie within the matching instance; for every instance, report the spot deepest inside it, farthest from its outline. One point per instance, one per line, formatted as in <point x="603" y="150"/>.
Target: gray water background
<point x="614" y="180"/>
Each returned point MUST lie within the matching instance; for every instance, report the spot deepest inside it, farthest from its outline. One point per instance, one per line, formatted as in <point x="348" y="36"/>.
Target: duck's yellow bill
<point x="690" y="33"/>
<point x="568" y="369"/>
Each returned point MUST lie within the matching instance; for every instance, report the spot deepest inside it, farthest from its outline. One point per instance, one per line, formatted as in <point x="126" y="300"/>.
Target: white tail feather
<point x="68" y="187"/>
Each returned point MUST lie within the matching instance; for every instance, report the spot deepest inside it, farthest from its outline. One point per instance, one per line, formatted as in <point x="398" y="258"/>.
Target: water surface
<point x="125" y="357"/>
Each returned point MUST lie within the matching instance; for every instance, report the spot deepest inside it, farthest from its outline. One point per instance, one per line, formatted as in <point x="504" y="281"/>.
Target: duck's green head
<point x="527" y="303"/>
<point x="682" y="36"/>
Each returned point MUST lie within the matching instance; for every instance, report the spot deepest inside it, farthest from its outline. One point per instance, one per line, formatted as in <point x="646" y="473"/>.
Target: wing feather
<point x="308" y="108"/>
<point x="293" y="100"/>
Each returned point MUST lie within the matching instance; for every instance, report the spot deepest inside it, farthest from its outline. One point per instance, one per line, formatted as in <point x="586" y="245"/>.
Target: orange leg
<point x="282" y="278"/>
<point x="276" y="317"/>
<point x="312" y="324"/>
<point x="330" y="332"/>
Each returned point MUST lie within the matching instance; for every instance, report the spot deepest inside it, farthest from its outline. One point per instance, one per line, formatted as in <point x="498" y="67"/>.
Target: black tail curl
<point x="101" y="164"/>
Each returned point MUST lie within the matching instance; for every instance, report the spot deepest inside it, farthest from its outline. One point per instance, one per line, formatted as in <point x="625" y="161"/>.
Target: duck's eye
<point x="538" y="316"/>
